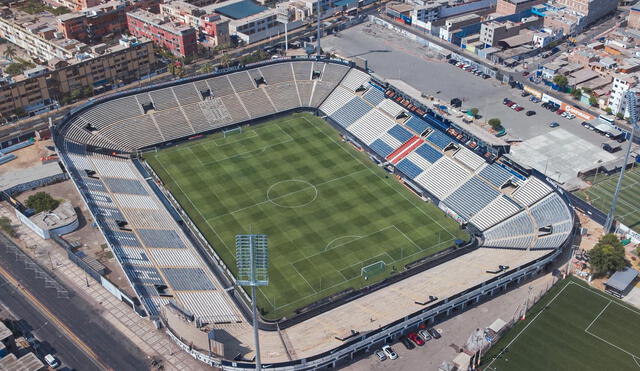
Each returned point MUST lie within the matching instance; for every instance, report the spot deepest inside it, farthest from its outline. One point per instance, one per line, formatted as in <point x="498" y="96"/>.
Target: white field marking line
<point x="636" y="361"/>
<point x="346" y="243"/>
<point x="355" y="236"/>
<point x="598" y="316"/>
<point x="374" y="173"/>
<point x="310" y="295"/>
<point x="309" y="185"/>
<point x="604" y="191"/>
<point x="305" y="280"/>
<point x="611" y="344"/>
<point x="253" y="151"/>
<point x="527" y="325"/>
<point x="185" y="146"/>
<point x="285" y="195"/>
<point x="607" y="297"/>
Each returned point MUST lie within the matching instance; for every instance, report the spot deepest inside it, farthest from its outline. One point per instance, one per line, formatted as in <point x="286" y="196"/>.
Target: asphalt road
<point x="112" y="349"/>
<point x="52" y="340"/>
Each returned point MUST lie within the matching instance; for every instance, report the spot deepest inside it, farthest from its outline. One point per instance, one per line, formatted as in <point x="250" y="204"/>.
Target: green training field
<point x="327" y="209"/>
<point x="573" y="327"/>
<point x="600" y="196"/>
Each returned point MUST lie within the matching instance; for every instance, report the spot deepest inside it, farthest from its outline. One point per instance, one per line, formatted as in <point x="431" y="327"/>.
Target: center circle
<point x="292" y="193"/>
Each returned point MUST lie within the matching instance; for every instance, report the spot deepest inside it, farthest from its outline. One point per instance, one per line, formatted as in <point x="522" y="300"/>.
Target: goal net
<point x="228" y="132"/>
<point x="374" y="269"/>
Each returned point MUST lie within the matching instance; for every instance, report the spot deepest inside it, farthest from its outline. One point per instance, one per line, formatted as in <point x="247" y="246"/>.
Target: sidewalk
<point x="155" y="343"/>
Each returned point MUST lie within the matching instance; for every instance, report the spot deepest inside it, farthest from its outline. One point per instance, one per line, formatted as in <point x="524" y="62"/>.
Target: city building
<point x="212" y="29"/>
<point x="179" y="39"/>
<point x="38" y="35"/>
<point x="92" y="24"/>
<point x="509" y="7"/>
<point x="592" y="10"/>
<point x="74" y="4"/>
<point x="454" y="24"/>
<point x="103" y="68"/>
<point x="633" y="20"/>
<point x="493" y="32"/>
<point x="621" y="84"/>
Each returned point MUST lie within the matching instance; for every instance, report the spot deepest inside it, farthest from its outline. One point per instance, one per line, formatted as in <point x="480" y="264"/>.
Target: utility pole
<point x="633" y="118"/>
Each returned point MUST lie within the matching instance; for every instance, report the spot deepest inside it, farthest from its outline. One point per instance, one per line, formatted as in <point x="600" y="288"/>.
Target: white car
<point x="381" y="355"/>
<point x="51" y="360"/>
<point x="424" y="334"/>
<point x="389" y="352"/>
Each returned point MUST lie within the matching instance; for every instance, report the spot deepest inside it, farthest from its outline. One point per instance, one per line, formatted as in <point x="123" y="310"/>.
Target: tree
<point x="593" y="100"/>
<point x="607" y="255"/>
<point x="576" y="93"/>
<point x="42" y="201"/>
<point x="7" y="227"/>
<point x="474" y="111"/>
<point x="206" y="68"/>
<point x="15" y="68"/>
<point x="560" y="80"/>
<point x="620" y="115"/>
<point x="495" y="123"/>
<point x="608" y="110"/>
<point x="225" y="60"/>
<point x="10" y="52"/>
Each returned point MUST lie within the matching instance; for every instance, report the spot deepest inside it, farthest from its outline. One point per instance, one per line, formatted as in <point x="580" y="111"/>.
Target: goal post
<point x="373" y="269"/>
<point x="235" y="130"/>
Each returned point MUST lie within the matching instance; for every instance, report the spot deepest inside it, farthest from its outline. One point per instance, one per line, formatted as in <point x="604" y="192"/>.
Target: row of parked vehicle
<point x="469" y="68"/>
<point x="554" y="107"/>
<point x="410" y="341"/>
<point x="514" y="106"/>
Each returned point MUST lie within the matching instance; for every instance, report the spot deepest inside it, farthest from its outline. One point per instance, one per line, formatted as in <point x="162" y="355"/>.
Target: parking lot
<point x="392" y="56"/>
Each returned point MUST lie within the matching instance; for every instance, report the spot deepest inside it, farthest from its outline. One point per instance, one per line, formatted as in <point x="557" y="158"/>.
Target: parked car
<point x="485" y="76"/>
<point x="525" y="73"/>
<point x="434" y="333"/>
<point x="407" y="343"/>
<point x="554" y="125"/>
<point x="571" y="116"/>
<point x="389" y="352"/>
<point x="381" y="355"/>
<point x="511" y="104"/>
<point x="530" y="113"/>
<point x="524" y="94"/>
<point x="424" y="334"/>
<point x="51" y="360"/>
<point x="519" y="108"/>
<point x="415" y="338"/>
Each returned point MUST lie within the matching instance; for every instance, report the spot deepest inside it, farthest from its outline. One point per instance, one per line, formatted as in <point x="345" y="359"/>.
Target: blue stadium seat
<point x="428" y="153"/>
<point x="381" y="148"/>
<point x="351" y="112"/>
<point x="400" y="133"/>
<point x="374" y="96"/>
<point x="409" y="168"/>
<point x="495" y="174"/>
<point x="418" y="125"/>
<point x="439" y="138"/>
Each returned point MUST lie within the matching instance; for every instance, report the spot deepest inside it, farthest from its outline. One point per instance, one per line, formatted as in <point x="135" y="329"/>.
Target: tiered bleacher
<point x="156" y="255"/>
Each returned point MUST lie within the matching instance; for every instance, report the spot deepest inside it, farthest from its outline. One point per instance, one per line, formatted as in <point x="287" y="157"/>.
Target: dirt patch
<point x="29" y="156"/>
<point x="87" y="237"/>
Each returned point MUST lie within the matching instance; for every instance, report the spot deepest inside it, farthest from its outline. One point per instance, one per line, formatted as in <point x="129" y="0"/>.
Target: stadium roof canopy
<point x="241" y="9"/>
<point x="622" y="279"/>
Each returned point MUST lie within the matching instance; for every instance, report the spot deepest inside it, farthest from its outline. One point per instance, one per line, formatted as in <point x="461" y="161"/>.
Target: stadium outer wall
<point x="362" y="343"/>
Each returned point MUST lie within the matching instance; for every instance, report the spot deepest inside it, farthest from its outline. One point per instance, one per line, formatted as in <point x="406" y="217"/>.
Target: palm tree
<point x="206" y="68"/>
<point x="10" y="52"/>
<point x="225" y="60"/>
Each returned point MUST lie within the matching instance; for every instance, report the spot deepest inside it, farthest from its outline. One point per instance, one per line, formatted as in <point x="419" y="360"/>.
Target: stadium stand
<point x="155" y="251"/>
<point x="443" y="177"/>
<point x="471" y="197"/>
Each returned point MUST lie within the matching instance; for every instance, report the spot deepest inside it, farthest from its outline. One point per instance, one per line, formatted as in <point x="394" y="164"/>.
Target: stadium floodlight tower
<point x="632" y="106"/>
<point x="318" y="49"/>
<point x="252" y="259"/>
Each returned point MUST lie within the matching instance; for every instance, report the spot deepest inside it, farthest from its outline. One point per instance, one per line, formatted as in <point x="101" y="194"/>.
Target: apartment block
<point x="509" y="7"/>
<point x="38" y="36"/>
<point x="74" y="4"/>
<point x="92" y="24"/>
<point x="493" y="32"/>
<point x="212" y="27"/>
<point x="22" y="93"/>
<point x="178" y="38"/>
<point x="633" y="20"/>
<point x="621" y="84"/>
<point x="592" y="10"/>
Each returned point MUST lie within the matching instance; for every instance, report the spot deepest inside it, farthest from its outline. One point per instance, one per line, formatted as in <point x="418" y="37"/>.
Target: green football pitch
<point x="327" y="209"/>
<point x="600" y="195"/>
<point x="573" y="327"/>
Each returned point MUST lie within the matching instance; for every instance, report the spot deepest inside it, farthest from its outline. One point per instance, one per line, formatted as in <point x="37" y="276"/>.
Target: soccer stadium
<point x="366" y="195"/>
